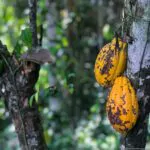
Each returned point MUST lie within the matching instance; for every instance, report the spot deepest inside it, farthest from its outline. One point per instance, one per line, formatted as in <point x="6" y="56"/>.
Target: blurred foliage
<point x="71" y="103"/>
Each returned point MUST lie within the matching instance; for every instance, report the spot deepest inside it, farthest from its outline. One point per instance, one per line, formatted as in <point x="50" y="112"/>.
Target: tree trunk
<point x="137" y="21"/>
<point x="17" y="83"/>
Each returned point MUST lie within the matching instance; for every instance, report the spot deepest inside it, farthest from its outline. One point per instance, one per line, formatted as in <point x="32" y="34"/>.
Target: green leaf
<point x="36" y="97"/>
<point x="31" y="100"/>
<point x="26" y="37"/>
<point x="95" y="108"/>
<point x="65" y="42"/>
<point x="18" y="48"/>
<point x="107" y="32"/>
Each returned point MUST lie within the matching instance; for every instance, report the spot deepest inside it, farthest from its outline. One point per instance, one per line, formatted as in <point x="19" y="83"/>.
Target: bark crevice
<point x="138" y="68"/>
<point x="17" y="81"/>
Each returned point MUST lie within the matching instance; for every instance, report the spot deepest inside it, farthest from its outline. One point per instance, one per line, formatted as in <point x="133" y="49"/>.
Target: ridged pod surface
<point x="110" y="62"/>
<point x="122" y="105"/>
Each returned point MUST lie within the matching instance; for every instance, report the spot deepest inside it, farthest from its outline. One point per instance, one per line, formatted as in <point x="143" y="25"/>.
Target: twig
<point x="33" y="25"/>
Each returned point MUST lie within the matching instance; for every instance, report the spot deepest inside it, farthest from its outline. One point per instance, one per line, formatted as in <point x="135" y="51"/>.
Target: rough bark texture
<point x="32" y="16"/>
<point x="17" y="81"/>
<point x="16" y="87"/>
<point x="137" y="17"/>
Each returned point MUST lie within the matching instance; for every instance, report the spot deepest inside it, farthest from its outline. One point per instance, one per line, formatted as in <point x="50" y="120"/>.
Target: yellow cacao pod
<point x="122" y="105"/>
<point x="110" y="62"/>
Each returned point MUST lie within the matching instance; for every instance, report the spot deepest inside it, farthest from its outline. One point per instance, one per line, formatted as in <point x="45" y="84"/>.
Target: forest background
<point x="71" y="103"/>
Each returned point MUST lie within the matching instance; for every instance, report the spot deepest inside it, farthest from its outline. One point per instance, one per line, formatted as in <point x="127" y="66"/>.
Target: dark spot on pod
<point x="126" y="129"/>
<point x="100" y="70"/>
<point x="123" y="99"/>
<point x="124" y="111"/>
<point x="129" y="89"/>
<point x="121" y="87"/>
<point x="114" y="117"/>
<point x="113" y="107"/>
<point x="102" y="57"/>
<point x="107" y="82"/>
<point x="108" y="65"/>
<point x="122" y="130"/>
<point x="126" y="122"/>
<point x="105" y="50"/>
<point x="133" y="110"/>
<point x="112" y="101"/>
<point x="118" y="121"/>
<point x="118" y="111"/>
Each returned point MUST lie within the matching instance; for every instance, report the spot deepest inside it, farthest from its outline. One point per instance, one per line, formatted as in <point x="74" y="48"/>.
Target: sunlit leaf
<point x="26" y="37"/>
<point x="36" y="97"/>
<point x="18" y="48"/>
<point x="31" y="100"/>
<point x="95" y="108"/>
<point x="64" y="42"/>
<point x="107" y="32"/>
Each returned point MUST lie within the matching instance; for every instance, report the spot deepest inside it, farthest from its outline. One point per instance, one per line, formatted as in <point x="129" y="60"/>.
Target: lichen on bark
<point x="138" y="14"/>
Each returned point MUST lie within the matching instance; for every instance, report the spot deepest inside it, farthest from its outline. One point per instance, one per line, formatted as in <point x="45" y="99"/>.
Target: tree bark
<point x="17" y="83"/>
<point x="137" y="21"/>
<point x="33" y="26"/>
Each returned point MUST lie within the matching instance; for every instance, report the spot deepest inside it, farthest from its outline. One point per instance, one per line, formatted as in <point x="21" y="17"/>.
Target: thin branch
<point x="33" y="25"/>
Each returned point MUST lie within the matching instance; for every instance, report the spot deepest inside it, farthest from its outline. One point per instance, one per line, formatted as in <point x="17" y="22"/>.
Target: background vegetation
<point x="71" y="103"/>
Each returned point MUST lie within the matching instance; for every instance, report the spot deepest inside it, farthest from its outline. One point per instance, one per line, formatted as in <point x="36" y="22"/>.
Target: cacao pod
<point x="122" y="105"/>
<point x="110" y="62"/>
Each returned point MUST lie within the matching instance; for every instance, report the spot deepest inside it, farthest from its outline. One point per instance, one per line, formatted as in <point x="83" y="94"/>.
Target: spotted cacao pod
<point x="122" y="105"/>
<point x="110" y="62"/>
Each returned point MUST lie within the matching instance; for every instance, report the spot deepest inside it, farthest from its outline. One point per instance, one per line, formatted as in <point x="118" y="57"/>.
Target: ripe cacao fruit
<point x="110" y="62"/>
<point x="122" y="105"/>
